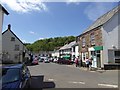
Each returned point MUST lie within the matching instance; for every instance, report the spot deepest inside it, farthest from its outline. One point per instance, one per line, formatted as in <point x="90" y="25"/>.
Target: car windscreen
<point x="10" y="75"/>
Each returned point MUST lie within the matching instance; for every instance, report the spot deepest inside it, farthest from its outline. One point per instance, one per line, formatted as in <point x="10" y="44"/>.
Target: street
<point x="52" y="75"/>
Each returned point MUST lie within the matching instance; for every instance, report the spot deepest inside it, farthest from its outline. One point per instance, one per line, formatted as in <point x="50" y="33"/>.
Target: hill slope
<point x="49" y="44"/>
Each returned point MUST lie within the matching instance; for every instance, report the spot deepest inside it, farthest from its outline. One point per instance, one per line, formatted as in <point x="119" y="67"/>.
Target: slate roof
<point x="5" y="11"/>
<point x="103" y="19"/>
<point x="67" y="46"/>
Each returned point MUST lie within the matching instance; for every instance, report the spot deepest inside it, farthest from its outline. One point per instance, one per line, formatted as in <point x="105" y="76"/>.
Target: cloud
<point x="41" y="38"/>
<point x="73" y="1"/>
<point x="78" y="1"/>
<point x="25" y="6"/>
<point x="95" y="10"/>
<point x="31" y="32"/>
<point x="24" y="41"/>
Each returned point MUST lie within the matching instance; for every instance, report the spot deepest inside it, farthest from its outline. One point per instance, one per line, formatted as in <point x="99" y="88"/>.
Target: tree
<point x="49" y="44"/>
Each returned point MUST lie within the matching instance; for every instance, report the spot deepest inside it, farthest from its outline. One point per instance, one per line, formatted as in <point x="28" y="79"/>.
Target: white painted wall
<point x="56" y="53"/>
<point x="119" y="31"/>
<point x="9" y="46"/>
<point x="1" y="23"/>
<point x="110" y="36"/>
<point x="76" y="51"/>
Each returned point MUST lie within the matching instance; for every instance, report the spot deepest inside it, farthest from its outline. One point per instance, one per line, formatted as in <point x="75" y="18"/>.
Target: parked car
<point x="46" y="60"/>
<point x="41" y="60"/>
<point x="35" y="61"/>
<point x="55" y="60"/>
<point x="64" y="61"/>
<point x="15" y="76"/>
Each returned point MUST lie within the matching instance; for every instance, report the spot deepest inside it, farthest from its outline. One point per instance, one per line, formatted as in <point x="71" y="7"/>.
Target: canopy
<point x="98" y="48"/>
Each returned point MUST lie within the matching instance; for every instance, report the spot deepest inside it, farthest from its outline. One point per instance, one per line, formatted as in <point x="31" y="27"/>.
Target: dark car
<point x="64" y="61"/>
<point x="15" y="76"/>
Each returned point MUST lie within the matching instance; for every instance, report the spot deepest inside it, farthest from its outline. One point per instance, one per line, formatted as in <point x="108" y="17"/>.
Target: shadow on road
<point x="38" y="82"/>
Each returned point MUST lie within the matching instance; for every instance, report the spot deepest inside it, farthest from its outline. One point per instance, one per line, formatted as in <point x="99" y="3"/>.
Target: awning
<point x="98" y="48"/>
<point x="66" y="56"/>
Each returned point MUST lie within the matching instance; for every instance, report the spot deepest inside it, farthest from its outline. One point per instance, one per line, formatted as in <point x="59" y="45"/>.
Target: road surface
<point x="51" y="75"/>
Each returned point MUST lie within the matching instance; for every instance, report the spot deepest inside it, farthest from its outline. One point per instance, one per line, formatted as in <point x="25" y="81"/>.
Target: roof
<point x="12" y="66"/>
<point x="5" y="11"/>
<point x="103" y="19"/>
<point x="76" y="44"/>
<point x="67" y="46"/>
<point x="13" y="34"/>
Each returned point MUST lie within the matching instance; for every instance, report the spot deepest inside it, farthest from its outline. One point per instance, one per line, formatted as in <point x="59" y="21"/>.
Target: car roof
<point x="12" y="66"/>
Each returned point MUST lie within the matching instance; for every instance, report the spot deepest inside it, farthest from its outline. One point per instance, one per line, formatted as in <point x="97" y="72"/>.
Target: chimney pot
<point x="9" y="26"/>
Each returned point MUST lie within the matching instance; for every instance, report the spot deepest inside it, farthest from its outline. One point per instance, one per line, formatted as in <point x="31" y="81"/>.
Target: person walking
<point x="77" y="62"/>
<point x="87" y="63"/>
<point x="90" y="63"/>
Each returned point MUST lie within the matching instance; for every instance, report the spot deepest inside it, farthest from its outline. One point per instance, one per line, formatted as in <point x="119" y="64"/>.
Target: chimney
<point x="9" y="27"/>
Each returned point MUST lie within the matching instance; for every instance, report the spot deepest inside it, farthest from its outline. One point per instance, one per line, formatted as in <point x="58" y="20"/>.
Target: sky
<point x="33" y="20"/>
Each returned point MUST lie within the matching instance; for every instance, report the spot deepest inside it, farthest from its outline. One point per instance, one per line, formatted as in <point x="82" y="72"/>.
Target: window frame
<point x="83" y="42"/>
<point x="17" y="47"/>
<point x="12" y="38"/>
<point x="92" y="38"/>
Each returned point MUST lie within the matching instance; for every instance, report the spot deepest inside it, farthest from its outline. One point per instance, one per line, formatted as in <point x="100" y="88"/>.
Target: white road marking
<point x="51" y="80"/>
<point x="82" y="82"/>
<point x="108" y="85"/>
<point x="77" y="82"/>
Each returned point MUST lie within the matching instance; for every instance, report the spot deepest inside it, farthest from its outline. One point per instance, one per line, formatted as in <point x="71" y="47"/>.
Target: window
<point x="74" y="49"/>
<point x="16" y="56"/>
<point x="92" y="39"/>
<point x="17" y="48"/>
<point x="117" y="56"/>
<point x="10" y="75"/>
<point x="84" y="56"/>
<point x="83" y="42"/>
<point x="12" y="38"/>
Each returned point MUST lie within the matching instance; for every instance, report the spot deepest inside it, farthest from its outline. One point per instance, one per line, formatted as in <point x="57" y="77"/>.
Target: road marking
<point x="77" y="82"/>
<point x="51" y="79"/>
<point x="108" y="85"/>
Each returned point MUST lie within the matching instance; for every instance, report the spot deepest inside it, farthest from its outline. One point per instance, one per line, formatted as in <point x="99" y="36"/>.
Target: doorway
<point x="98" y="56"/>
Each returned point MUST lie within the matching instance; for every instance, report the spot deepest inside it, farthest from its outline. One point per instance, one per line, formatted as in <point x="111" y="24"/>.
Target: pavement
<point x="92" y="70"/>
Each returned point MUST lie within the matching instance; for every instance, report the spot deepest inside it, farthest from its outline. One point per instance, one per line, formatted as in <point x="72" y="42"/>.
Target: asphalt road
<point x="51" y="75"/>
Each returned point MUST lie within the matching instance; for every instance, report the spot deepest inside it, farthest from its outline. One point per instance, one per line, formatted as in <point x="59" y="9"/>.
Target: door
<point x="98" y="59"/>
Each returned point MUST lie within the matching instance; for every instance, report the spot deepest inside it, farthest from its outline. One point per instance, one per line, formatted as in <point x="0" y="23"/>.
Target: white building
<point x="66" y="50"/>
<point x="2" y="12"/>
<point x="55" y="54"/>
<point x="111" y="38"/>
<point x="13" y="48"/>
<point x="75" y="51"/>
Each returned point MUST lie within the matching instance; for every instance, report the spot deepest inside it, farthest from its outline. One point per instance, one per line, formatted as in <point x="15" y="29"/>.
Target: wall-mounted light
<point x="113" y="47"/>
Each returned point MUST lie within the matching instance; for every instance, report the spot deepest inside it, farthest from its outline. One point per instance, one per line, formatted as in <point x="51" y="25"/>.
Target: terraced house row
<point x="101" y="40"/>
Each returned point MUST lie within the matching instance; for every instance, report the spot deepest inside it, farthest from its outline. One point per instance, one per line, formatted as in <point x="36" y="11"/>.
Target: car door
<point x="25" y="77"/>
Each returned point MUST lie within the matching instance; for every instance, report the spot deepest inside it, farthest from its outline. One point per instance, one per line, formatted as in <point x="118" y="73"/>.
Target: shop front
<point x="96" y="54"/>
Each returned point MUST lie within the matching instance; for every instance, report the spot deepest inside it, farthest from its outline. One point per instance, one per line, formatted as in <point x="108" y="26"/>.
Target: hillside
<point x="49" y="44"/>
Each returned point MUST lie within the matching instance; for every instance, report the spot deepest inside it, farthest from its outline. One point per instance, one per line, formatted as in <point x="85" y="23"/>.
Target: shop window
<point x="84" y="56"/>
<point x="93" y="53"/>
<point x="117" y="56"/>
